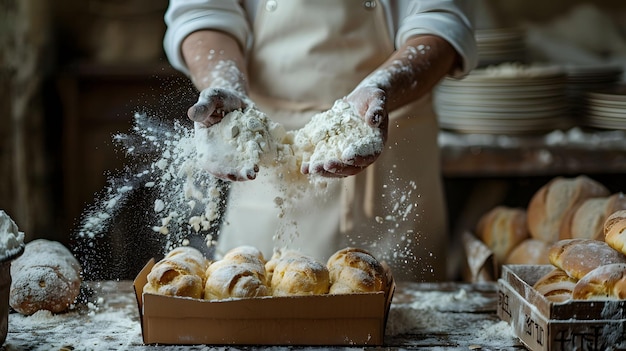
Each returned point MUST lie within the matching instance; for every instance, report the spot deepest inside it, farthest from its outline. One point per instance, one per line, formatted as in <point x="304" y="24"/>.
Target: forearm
<point x="215" y="59"/>
<point x="413" y="70"/>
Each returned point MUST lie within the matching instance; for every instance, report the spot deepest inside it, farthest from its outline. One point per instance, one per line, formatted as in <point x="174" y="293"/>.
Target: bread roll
<point x="355" y="271"/>
<point x="603" y="283"/>
<point x="46" y="277"/>
<point x="502" y="229"/>
<point x="233" y="280"/>
<point x="239" y="274"/>
<point x="293" y="273"/>
<point x="180" y="273"/>
<point x="552" y="204"/>
<point x="615" y="231"/>
<point x="589" y="217"/>
<point x="578" y="257"/>
<point x="529" y="251"/>
<point x="556" y="286"/>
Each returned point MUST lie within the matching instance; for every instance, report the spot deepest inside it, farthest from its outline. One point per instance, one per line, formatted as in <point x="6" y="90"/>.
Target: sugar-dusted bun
<point x="501" y="229"/>
<point x="46" y="277"/>
<point x="529" y="251"/>
<point x="553" y="203"/>
<point x="226" y="280"/>
<point x="175" y="277"/>
<point x="588" y="219"/>
<point x="293" y="273"/>
<point x="556" y="286"/>
<point x="578" y="257"/>
<point x="192" y="257"/>
<point x="239" y="274"/>
<point x="355" y="270"/>
<point x="603" y="283"/>
<point x="615" y="231"/>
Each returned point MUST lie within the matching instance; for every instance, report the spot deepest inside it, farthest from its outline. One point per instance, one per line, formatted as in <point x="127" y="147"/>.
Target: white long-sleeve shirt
<point x="447" y="19"/>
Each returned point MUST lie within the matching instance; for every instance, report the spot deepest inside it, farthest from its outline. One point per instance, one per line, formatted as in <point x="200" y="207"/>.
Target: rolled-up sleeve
<point x="446" y="19"/>
<point x="184" y="17"/>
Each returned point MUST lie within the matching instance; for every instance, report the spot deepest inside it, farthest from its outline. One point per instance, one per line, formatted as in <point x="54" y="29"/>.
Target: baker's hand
<point x="370" y="103"/>
<point x="214" y="103"/>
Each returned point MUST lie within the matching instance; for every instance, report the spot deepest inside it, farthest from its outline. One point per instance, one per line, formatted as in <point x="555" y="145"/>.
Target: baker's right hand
<point x="214" y="103"/>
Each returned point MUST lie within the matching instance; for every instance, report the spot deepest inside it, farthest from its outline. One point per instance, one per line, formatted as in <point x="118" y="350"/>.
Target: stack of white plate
<point x="500" y="45"/>
<point x="607" y="109"/>
<point x="507" y="99"/>
<point x="582" y="79"/>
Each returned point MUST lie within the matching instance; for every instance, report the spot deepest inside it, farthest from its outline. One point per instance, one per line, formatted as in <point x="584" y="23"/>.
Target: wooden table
<point x="450" y="316"/>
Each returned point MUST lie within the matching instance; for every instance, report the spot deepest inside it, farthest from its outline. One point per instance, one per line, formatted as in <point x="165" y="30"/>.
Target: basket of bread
<point x="561" y="266"/>
<point x="563" y="208"/>
<point x="244" y="298"/>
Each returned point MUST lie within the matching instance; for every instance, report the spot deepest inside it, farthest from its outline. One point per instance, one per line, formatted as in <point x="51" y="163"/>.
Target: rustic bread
<point x="502" y="229"/>
<point x="556" y="286"/>
<point x="615" y="231"/>
<point x="529" y="251"/>
<point x="355" y="271"/>
<point x="552" y="204"/>
<point x="46" y="277"/>
<point x="603" y="283"/>
<point x="578" y="257"/>
<point x="293" y="273"/>
<point x="588" y="219"/>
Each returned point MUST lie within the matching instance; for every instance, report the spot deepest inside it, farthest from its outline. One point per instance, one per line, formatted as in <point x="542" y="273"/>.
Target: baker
<point x="293" y="59"/>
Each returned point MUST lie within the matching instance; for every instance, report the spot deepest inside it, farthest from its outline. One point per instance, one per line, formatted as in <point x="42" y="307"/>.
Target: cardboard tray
<point x="544" y="325"/>
<point x="353" y="319"/>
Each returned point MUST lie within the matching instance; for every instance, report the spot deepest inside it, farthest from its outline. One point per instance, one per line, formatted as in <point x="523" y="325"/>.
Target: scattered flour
<point x="11" y="239"/>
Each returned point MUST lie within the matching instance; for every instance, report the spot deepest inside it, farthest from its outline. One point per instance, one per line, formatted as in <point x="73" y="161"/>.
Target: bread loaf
<point x="578" y="257"/>
<point x="239" y="274"/>
<point x="615" y="231"/>
<point x="588" y="219"/>
<point x="553" y="203"/>
<point x="556" y="286"/>
<point x="603" y="283"/>
<point x="180" y="273"/>
<point x="529" y="251"/>
<point x="355" y="271"/>
<point x="293" y="273"/>
<point x="502" y="229"/>
<point x="46" y="277"/>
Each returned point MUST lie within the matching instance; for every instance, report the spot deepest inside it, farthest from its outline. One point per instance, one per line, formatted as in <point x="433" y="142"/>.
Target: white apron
<point x="306" y="55"/>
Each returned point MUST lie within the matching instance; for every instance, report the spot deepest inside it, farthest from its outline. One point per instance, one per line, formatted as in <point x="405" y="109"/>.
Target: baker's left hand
<point x="370" y="103"/>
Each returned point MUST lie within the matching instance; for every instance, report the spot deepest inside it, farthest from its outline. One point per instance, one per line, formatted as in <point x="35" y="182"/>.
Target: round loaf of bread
<point x="355" y="270"/>
<point x="615" y="231"/>
<point x="603" y="283"/>
<point x="175" y="277"/>
<point x="589" y="217"/>
<point x="529" y="251"/>
<point x="293" y="273"/>
<point x="556" y="286"/>
<point x="239" y="274"/>
<point x="191" y="256"/>
<point x="46" y="277"/>
<point x="578" y="257"/>
<point x="227" y="280"/>
<point x="502" y="229"/>
<point x="554" y="202"/>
